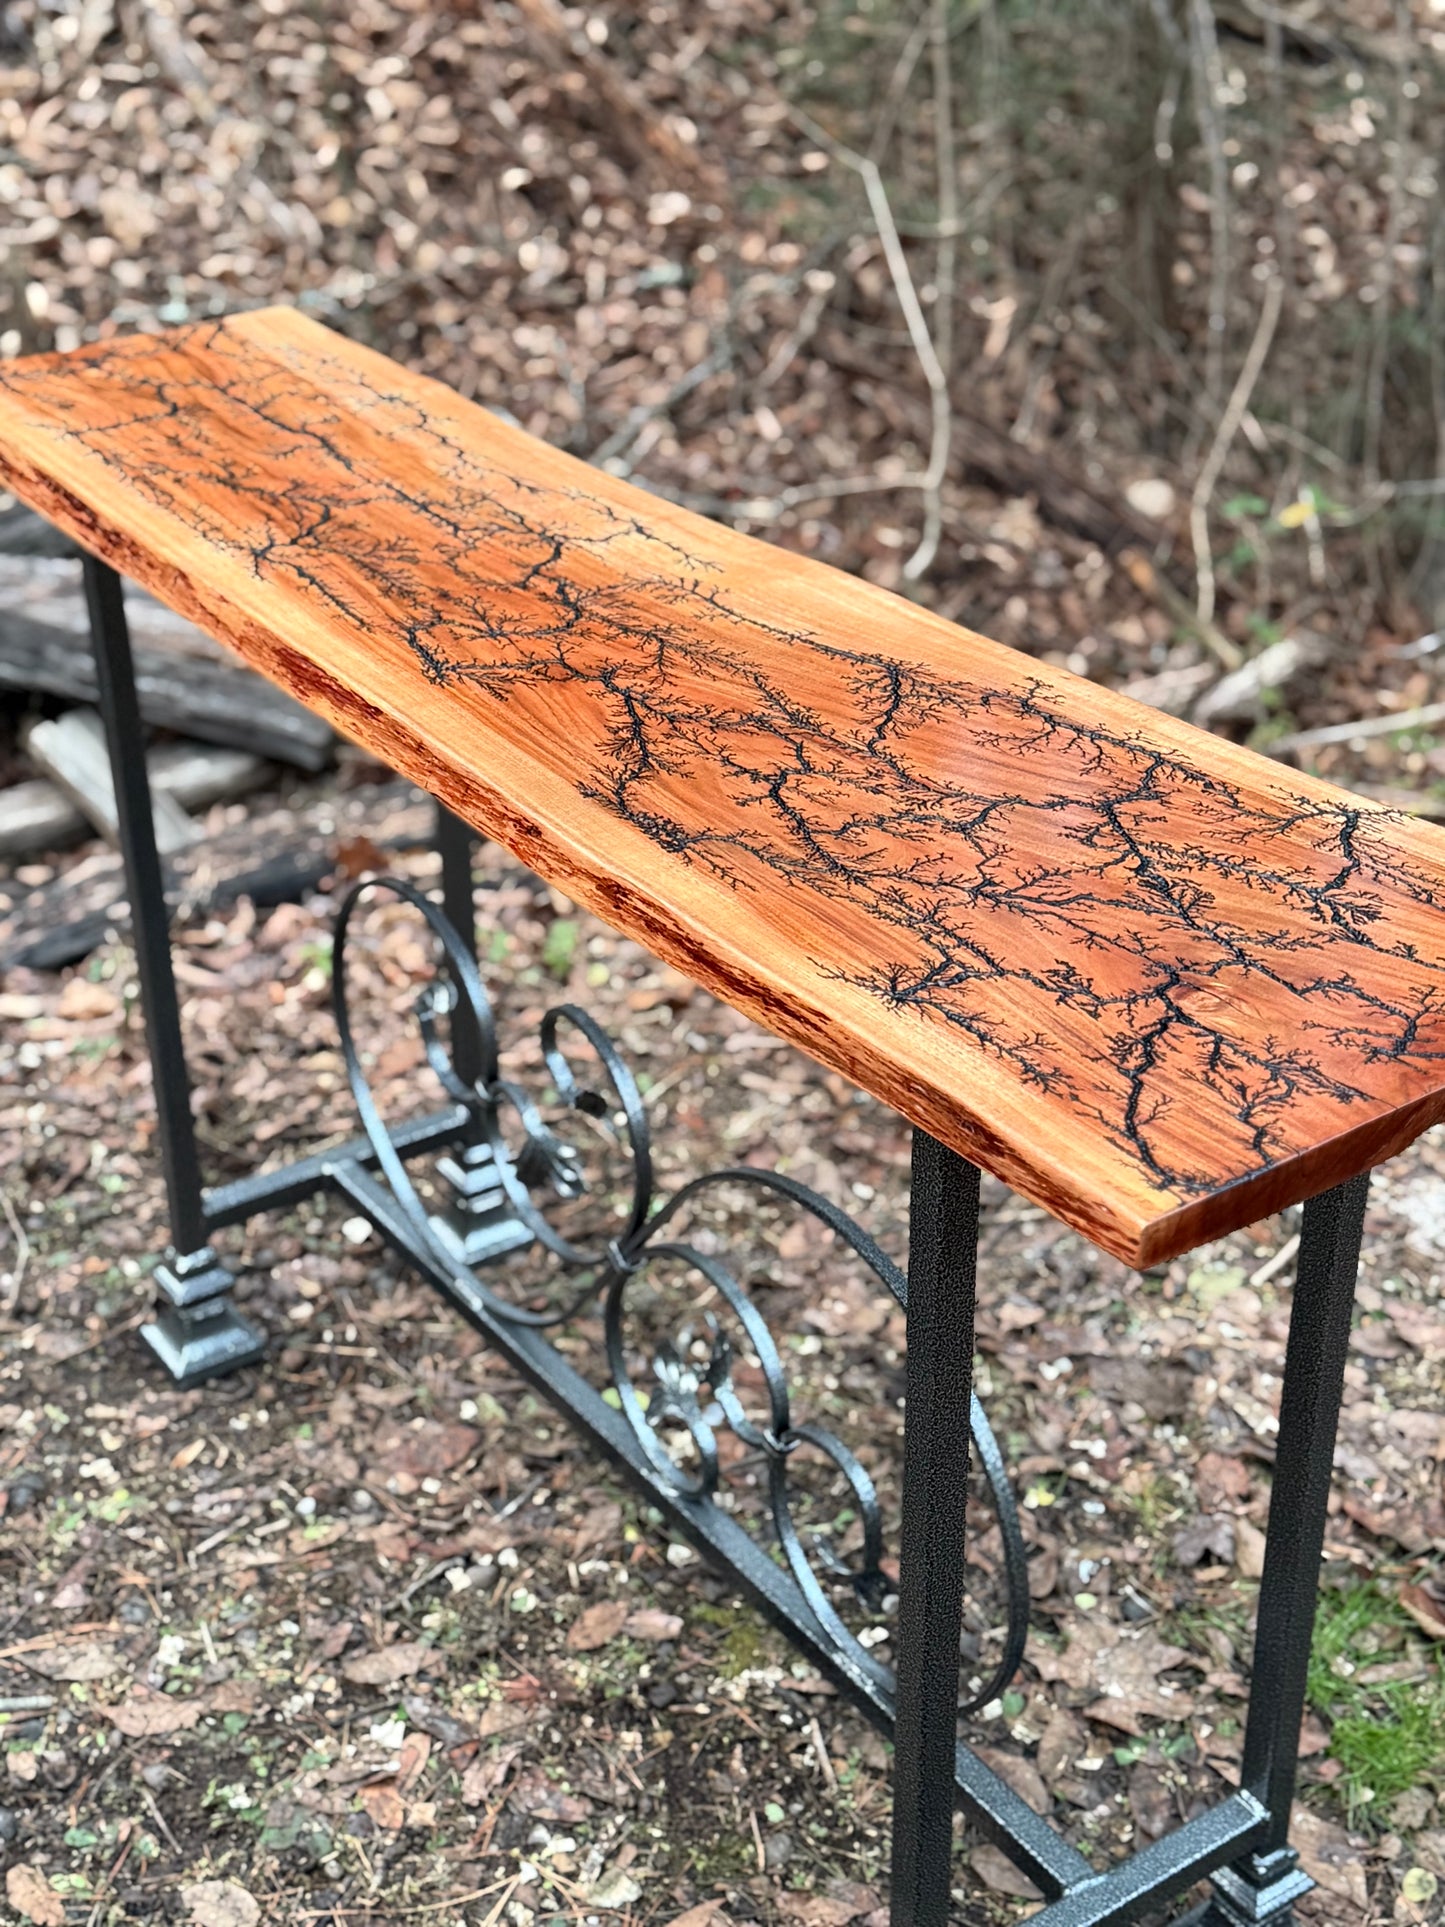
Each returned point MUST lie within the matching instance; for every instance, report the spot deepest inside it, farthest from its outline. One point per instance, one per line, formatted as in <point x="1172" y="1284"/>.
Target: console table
<point x="1152" y="981"/>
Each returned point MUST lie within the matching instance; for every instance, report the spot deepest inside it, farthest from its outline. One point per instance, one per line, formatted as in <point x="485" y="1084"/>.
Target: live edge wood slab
<point x="1157" y="983"/>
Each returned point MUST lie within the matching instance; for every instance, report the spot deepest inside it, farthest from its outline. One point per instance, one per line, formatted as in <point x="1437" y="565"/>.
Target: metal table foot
<point x="199" y="1333"/>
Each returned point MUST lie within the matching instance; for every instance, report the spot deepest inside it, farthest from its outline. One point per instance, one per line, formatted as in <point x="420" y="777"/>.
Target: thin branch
<point x="899" y="83"/>
<point x="907" y="295"/>
<point x="1209" y="92"/>
<point x="622" y="437"/>
<point x="1223" y="436"/>
<point x="1422" y="718"/>
<point x="946" y="274"/>
<point x="22" y="1254"/>
<point x="801" y="334"/>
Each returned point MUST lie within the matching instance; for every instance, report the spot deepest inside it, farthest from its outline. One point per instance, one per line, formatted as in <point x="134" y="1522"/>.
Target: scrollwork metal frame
<point x="525" y="1171"/>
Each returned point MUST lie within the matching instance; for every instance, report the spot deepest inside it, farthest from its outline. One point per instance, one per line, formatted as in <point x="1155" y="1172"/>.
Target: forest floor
<point x="363" y="1635"/>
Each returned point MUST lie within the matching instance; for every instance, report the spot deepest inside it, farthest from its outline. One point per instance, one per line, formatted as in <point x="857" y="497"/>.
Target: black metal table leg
<point x="1263" y="1886"/>
<point x="479" y="1227"/>
<point x="455" y="842"/>
<point x="199" y="1332"/>
<point x="943" y="1249"/>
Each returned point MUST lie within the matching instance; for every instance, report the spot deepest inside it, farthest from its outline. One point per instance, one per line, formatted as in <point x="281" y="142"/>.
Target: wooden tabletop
<point x="1152" y="980"/>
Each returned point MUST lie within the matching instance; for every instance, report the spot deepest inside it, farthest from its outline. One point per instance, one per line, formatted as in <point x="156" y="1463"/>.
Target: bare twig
<point x="1154" y="583"/>
<point x="1399" y="172"/>
<point x="820" y="1750"/>
<point x="1224" y="435"/>
<point x="802" y="332"/>
<point x="622" y="437"/>
<point x="907" y="296"/>
<point x="1420" y="718"/>
<point x="160" y="1818"/>
<point x="22" y="1254"/>
<point x="1273" y="1266"/>
<point x="1209" y="95"/>
<point x="947" y="272"/>
<point x="899" y="82"/>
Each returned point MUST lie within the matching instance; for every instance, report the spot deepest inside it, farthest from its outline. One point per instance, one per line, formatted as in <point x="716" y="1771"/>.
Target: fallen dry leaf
<point x="415" y="1753"/>
<point x="817" y="1910"/>
<point x="145" y="1714"/>
<point x="425" y="1448"/>
<point x="1329" y="1858"/>
<point x="1124" y="1668"/>
<point x="1427" y="1612"/>
<point x="602" y="1525"/>
<point x="1210" y="1532"/>
<point x="1249" y="1544"/>
<point x="81" y="1001"/>
<point x="33" y="1897"/>
<point x="652" y="1625"/>
<point x="402" y="1661"/>
<point x="707" y="1913"/>
<point x="233" y="1696"/>
<point x="91" y="1661"/>
<point x="1220" y="1479"/>
<point x="999" y="1874"/>
<point x="596" y="1625"/>
<point x="385" y="1806"/>
<point x="221" y="1903"/>
<point x="1313" y="1738"/>
<point x="1419" y="1327"/>
<point x="485" y="1775"/>
<point x="1158" y="1386"/>
<point x="1022" y="1775"/>
<point x="506" y="1716"/>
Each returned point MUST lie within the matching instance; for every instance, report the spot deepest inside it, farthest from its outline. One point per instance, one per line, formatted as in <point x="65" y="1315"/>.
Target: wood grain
<point x="1155" y="982"/>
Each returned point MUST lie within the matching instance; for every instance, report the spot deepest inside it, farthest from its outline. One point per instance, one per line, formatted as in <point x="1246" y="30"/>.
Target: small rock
<point x="1150" y="495"/>
<point x="614" y="1891"/>
<point x="221" y="1903"/>
<point x="777" y="1850"/>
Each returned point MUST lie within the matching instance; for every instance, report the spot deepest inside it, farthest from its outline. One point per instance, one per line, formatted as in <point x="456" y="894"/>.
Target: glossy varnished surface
<point x="1154" y="981"/>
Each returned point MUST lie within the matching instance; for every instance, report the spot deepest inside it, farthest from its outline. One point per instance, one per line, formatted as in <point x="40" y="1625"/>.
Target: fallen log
<point x="72" y="751"/>
<point x="37" y="815"/>
<point x="215" y="701"/>
<point x="281" y="856"/>
<point x="23" y="532"/>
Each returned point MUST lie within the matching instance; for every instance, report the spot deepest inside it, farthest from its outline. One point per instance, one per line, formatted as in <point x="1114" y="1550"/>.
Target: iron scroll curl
<point x="693" y="1384"/>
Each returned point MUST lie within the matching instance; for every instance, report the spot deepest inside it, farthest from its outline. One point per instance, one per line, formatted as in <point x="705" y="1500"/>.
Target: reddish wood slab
<point x="1154" y="981"/>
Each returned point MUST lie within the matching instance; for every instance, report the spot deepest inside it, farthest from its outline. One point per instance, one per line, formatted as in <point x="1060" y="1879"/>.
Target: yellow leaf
<point x="1296" y="515"/>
